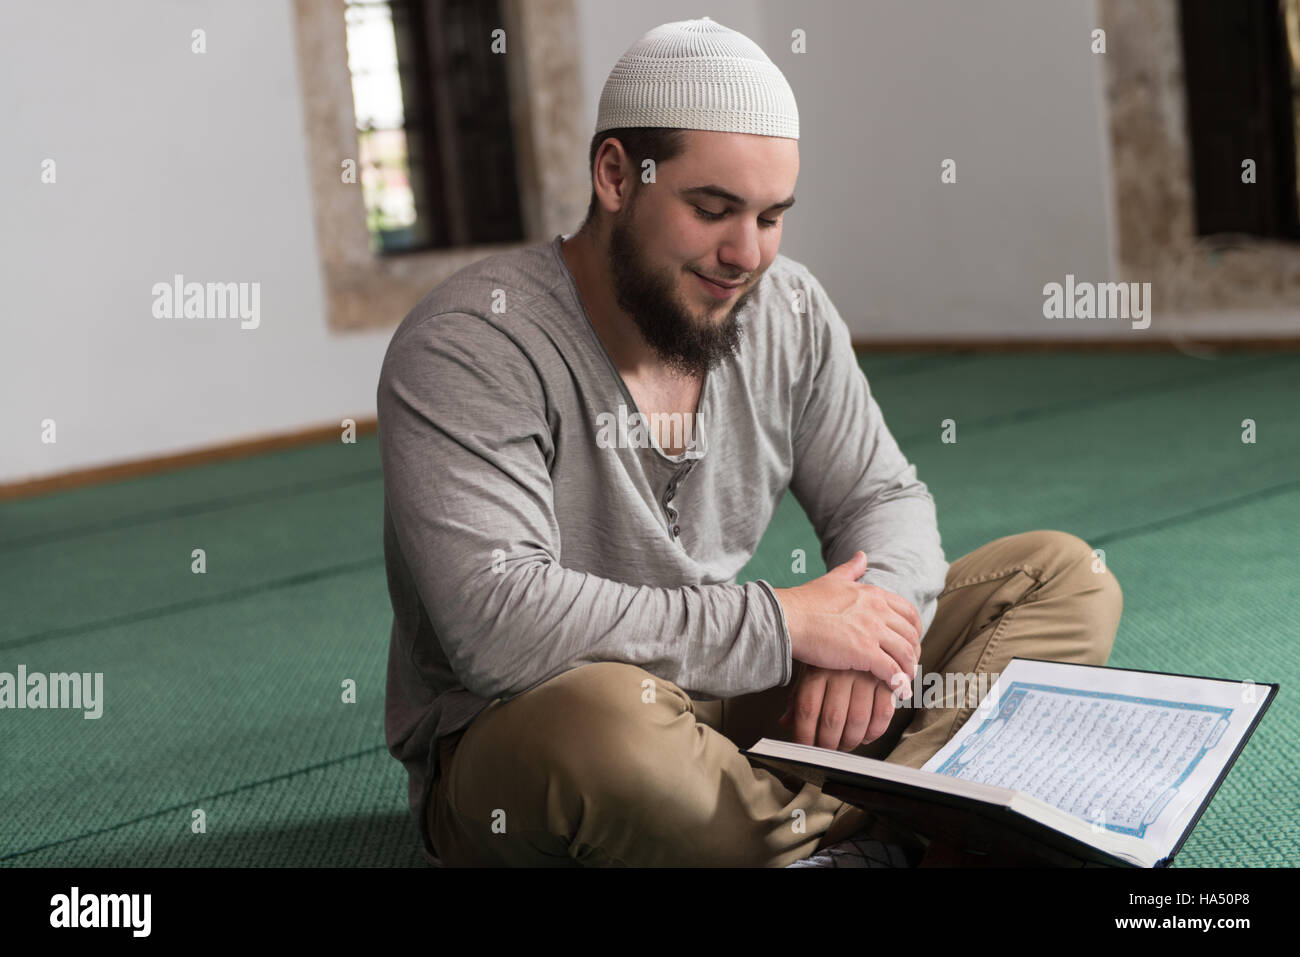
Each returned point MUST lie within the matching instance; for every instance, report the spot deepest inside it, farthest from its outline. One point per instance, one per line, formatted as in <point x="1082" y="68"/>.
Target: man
<point x="573" y="668"/>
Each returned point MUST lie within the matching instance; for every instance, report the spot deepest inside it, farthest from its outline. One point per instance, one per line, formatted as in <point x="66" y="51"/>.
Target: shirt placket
<point x="670" y="492"/>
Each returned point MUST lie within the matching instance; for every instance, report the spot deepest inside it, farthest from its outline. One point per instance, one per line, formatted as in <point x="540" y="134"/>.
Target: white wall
<point x="172" y="162"/>
<point x="167" y="162"/>
<point x="889" y="89"/>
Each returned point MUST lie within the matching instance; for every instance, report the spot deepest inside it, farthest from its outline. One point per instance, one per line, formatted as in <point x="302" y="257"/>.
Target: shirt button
<point x="676" y="530"/>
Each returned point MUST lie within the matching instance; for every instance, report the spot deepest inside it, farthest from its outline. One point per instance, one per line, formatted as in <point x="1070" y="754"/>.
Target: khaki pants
<point x="589" y="769"/>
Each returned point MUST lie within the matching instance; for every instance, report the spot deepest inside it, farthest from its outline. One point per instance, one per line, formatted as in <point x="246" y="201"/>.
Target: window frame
<point x="364" y="290"/>
<point x="1196" y="281"/>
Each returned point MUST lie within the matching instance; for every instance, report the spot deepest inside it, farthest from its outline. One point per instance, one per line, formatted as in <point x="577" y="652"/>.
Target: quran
<point x="1059" y="764"/>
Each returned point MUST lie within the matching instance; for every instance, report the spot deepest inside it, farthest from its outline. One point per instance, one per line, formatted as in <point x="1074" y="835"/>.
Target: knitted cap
<point x="698" y="75"/>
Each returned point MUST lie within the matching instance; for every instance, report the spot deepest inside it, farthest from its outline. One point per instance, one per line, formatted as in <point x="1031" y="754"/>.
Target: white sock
<point x="858" y="850"/>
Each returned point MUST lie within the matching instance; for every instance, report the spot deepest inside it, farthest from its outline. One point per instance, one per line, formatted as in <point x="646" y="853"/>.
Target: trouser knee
<point x="554" y="766"/>
<point x="1076" y="569"/>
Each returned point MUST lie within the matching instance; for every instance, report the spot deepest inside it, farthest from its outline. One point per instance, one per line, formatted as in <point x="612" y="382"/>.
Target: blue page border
<point x="1015" y="694"/>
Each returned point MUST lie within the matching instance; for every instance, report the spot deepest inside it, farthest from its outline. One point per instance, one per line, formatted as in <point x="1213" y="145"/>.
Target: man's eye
<point x="714" y="217"/>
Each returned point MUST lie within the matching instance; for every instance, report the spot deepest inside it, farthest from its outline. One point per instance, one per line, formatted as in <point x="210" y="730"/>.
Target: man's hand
<point x="838" y="709"/>
<point x="838" y="623"/>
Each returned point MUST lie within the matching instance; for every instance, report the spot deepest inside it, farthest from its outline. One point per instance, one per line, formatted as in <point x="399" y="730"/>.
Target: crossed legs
<point x="607" y="764"/>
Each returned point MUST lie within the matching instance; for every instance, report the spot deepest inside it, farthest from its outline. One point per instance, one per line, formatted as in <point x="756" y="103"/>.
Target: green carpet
<point x="222" y="691"/>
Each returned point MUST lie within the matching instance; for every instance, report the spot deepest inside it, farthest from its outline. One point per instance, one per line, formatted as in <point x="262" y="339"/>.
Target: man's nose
<point x="741" y="249"/>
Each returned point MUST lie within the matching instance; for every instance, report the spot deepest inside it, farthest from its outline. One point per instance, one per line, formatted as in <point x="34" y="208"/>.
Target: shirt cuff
<point x="787" y="644"/>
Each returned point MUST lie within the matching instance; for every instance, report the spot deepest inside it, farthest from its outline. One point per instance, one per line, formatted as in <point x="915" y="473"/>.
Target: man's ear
<point x="624" y="177"/>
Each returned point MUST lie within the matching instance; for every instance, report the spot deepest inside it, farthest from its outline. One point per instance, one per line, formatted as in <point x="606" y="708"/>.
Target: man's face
<point x="681" y="227"/>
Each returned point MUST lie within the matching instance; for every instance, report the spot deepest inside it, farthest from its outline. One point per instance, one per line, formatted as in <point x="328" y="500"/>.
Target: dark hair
<point x="640" y="142"/>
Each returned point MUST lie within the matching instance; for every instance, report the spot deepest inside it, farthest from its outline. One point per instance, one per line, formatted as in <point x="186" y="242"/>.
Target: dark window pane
<point x="1241" y="101"/>
<point x="434" y="116"/>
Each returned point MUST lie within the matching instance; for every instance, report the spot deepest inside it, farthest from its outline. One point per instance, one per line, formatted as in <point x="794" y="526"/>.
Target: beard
<point x="688" y="345"/>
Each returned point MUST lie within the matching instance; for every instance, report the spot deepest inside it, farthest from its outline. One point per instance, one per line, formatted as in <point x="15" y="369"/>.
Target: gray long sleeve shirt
<point x="519" y="544"/>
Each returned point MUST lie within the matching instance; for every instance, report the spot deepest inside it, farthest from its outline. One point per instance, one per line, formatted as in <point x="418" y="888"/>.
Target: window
<point x="1217" y="251"/>
<point x="1242" y="65"/>
<point x="431" y="94"/>
<point x="488" y="158"/>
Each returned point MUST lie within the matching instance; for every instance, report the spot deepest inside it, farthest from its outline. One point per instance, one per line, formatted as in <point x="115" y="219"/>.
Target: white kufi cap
<point x="698" y="75"/>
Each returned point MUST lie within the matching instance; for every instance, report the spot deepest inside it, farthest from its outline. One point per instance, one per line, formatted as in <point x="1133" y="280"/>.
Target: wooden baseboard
<point x="242" y="449"/>
<point x="169" y="463"/>
<point x="877" y="346"/>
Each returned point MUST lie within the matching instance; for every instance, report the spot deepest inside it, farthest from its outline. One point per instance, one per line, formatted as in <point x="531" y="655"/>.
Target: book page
<point x="1132" y="752"/>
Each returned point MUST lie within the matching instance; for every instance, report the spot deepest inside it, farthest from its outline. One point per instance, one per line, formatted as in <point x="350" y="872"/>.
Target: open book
<point x="1062" y="763"/>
